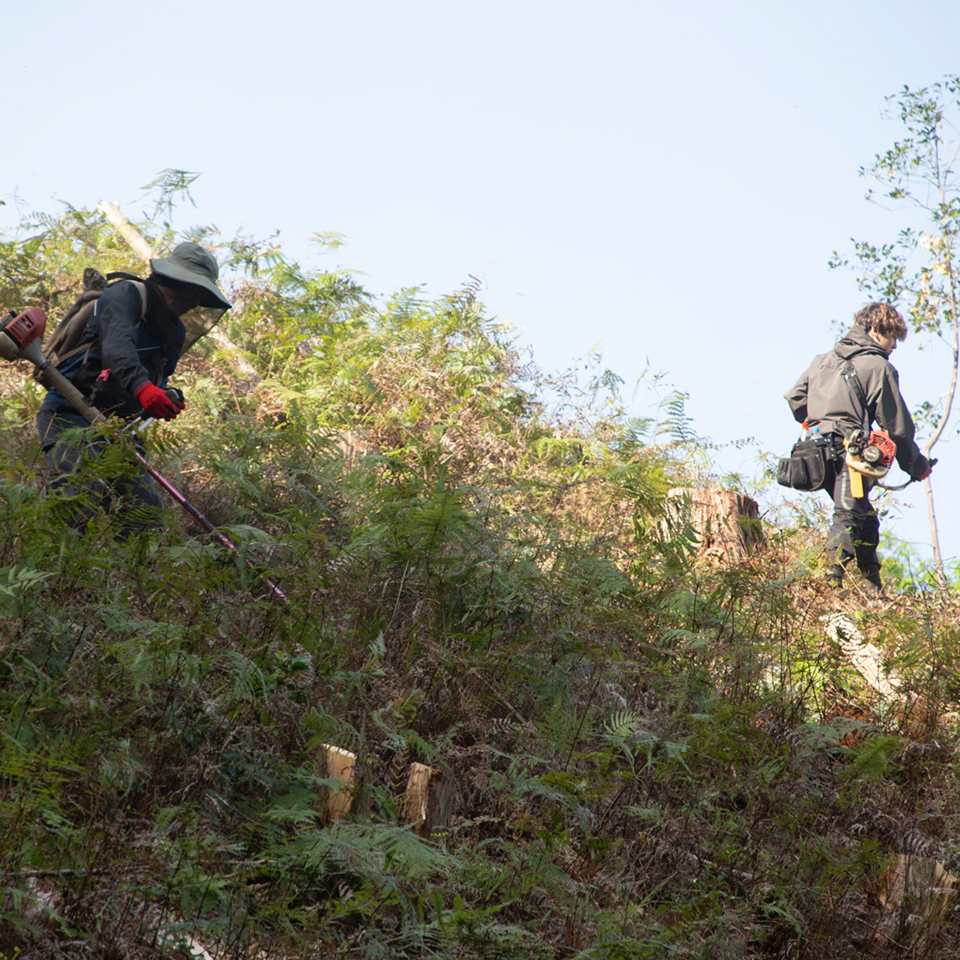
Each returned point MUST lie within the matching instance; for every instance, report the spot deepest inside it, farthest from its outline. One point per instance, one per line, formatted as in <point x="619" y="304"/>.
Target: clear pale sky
<point x="664" y="180"/>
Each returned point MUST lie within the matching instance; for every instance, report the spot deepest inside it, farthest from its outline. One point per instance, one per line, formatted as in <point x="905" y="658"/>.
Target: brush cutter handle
<point x="53" y="379"/>
<point x="903" y="486"/>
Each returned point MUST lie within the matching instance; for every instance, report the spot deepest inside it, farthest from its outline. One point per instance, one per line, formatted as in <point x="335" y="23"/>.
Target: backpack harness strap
<point x="62" y="345"/>
<point x="849" y="373"/>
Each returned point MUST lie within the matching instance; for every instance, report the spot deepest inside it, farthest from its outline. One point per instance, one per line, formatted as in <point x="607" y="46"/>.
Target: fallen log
<point x="863" y="656"/>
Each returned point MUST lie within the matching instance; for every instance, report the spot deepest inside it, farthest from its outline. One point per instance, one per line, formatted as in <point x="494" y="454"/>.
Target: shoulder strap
<point x="142" y="290"/>
<point x="138" y="283"/>
<point x="849" y="373"/>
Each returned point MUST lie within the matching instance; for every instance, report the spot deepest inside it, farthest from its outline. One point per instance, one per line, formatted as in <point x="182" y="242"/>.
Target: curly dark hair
<point x="883" y="319"/>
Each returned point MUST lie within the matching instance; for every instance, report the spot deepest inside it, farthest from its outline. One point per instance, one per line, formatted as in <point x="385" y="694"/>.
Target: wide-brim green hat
<point x="190" y="263"/>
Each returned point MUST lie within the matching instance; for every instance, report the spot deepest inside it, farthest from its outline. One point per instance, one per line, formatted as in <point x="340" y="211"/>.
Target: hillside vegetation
<point x="640" y="755"/>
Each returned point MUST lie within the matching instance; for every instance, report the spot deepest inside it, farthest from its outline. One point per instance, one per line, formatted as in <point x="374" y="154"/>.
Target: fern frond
<point x="397" y="769"/>
<point x="622" y="724"/>
<point x="329" y="239"/>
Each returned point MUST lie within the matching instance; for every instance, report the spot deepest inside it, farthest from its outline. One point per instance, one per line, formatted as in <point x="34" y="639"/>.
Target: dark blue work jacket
<point x="127" y="349"/>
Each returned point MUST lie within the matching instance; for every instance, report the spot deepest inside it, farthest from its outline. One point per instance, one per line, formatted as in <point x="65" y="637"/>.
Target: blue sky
<point x="662" y="181"/>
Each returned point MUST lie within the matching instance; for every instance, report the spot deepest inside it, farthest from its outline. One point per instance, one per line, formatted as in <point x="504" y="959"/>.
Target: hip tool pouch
<point x="807" y="467"/>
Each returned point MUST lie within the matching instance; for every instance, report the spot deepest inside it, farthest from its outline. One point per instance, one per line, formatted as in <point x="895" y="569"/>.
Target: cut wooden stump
<point x="428" y="800"/>
<point x="918" y="894"/>
<point x="338" y="764"/>
<point x="727" y="524"/>
<point x="354" y="445"/>
<point x="923" y="883"/>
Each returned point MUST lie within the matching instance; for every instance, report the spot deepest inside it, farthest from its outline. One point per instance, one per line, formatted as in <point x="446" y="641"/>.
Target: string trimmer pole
<point x="200" y="518"/>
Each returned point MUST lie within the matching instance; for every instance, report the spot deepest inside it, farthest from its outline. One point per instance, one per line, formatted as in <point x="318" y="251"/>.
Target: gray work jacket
<point x="824" y="399"/>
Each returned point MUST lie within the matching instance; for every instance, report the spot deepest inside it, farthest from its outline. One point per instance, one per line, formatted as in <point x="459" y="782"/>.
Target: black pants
<point x="71" y="451"/>
<point x="855" y="531"/>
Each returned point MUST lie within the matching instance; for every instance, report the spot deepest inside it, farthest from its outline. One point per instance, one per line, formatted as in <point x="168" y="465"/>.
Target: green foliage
<point x="644" y="756"/>
<point x="918" y="172"/>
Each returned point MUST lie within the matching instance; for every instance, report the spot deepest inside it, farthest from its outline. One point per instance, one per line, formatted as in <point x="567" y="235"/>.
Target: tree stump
<point x="924" y="879"/>
<point x="727" y="524"/>
<point x="919" y="892"/>
<point x="428" y="800"/>
<point x="338" y="764"/>
<point x="354" y="446"/>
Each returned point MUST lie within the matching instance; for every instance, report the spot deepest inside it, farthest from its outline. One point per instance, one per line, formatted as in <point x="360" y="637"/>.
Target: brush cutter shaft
<point x="201" y="519"/>
<point x="53" y="379"/>
<point x="185" y="503"/>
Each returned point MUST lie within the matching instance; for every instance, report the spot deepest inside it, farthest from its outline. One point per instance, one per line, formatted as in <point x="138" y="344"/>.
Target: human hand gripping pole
<point x="20" y="339"/>
<point x="159" y="403"/>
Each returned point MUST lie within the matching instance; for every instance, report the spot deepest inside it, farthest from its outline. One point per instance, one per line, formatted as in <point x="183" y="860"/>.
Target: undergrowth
<point x="640" y="755"/>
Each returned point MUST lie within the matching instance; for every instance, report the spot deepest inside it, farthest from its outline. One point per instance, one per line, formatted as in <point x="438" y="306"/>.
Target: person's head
<point x="178" y="298"/>
<point x="188" y="279"/>
<point x="883" y="324"/>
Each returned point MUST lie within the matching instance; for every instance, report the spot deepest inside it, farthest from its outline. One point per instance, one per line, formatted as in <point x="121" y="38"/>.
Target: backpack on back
<point x="64" y="342"/>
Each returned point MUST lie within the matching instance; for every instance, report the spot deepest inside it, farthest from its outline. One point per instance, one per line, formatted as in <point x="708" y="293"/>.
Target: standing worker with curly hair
<point x="841" y="392"/>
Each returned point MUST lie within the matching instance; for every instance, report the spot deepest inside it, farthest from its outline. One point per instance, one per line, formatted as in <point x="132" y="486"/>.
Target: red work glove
<point x="926" y="473"/>
<point x="158" y="403"/>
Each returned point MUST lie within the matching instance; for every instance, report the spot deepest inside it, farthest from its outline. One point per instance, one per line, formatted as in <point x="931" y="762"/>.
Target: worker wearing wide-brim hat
<point x="129" y="349"/>
<point x="194" y="266"/>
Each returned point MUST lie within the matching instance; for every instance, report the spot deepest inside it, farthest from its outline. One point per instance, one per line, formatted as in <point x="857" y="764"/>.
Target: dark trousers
<point x="72" y="458"/>
<point x="855" y="531"/>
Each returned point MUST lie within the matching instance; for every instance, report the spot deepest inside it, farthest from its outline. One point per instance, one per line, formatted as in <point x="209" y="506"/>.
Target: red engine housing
<point x="26" y="328"/>
<point x="881" y="440"/>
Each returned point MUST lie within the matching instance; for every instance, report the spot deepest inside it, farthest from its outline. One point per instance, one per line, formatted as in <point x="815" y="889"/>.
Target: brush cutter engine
<point x="21" y="336"/>
<point x="870" y="454"/>
<point x="20" y="339"/>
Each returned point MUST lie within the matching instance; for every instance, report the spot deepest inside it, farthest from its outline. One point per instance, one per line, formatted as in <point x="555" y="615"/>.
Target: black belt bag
<point x="809" y="466"/>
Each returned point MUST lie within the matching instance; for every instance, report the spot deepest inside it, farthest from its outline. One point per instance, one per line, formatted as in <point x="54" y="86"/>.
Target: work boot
<point x="833" y="576"/>
<point x="872" y="584"/>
